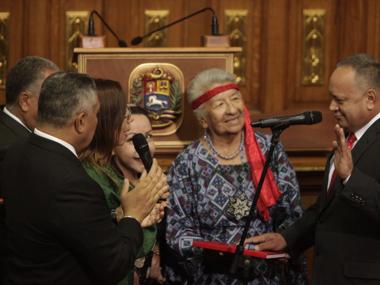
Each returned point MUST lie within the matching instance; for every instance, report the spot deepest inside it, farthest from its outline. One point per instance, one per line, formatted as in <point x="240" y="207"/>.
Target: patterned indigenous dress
<point x="210" y="202"/>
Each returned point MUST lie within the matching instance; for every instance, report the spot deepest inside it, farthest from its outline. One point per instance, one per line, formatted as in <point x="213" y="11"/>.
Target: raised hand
<point x="342" y="154"/>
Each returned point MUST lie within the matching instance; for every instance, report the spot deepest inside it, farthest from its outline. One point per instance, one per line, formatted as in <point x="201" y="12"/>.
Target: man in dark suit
<point x="60" y="229"/>
<point x="344" y="223"/>
<point x="24" y="80"/>
<point x="18" y="117"/>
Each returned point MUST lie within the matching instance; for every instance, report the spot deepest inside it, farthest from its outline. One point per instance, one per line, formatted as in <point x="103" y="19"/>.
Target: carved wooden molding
<point x="313" y="54"/>
<point x="76" y="25"/>
<point x="235" y="28"/>
<point x="153" y="20"/>
<point x="4" y="45"/>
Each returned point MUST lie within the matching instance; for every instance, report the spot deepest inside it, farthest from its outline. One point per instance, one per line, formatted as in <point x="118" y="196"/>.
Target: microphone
<point x="91" y="28"/>
<point x="306" y="118"/>
<point x="214" y="25"/>
<point x="142" y="148"/>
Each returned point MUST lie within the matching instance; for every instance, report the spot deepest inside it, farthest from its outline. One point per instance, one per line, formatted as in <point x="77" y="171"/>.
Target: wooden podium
<point x="119" y="63"/>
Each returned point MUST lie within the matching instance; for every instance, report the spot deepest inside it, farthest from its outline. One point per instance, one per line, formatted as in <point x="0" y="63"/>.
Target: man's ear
<point x="80" y="122"/>
<point x="24" y="101"/>
<point x="371" y="99"/>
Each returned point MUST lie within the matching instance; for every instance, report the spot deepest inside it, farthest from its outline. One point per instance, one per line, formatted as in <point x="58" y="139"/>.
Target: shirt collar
<point x="57" y="140"/>
<point x="17" y="119"/>
<point x="359" y="133"/>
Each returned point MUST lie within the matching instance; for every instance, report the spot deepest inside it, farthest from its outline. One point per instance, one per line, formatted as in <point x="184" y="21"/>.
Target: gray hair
<point x="367" y="70"/>
<point x="24" y="75"/>
<point x="64" y="94"/>
<point x="203" y="81"/>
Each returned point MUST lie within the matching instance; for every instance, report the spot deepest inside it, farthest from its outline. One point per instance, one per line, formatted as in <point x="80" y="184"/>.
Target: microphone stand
<point x="120" y="42"/>
<point x="215" y="29"/>
<point x="276" y="132"/>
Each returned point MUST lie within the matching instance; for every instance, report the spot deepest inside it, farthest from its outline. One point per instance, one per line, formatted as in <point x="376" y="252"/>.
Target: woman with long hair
<point x="113" y="126"/>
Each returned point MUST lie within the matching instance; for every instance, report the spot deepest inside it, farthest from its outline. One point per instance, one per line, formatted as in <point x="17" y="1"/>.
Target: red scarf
<point x="269" y="193"/>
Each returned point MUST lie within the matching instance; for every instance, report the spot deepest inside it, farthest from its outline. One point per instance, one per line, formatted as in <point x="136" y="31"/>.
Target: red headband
<point x="211" y="93"/>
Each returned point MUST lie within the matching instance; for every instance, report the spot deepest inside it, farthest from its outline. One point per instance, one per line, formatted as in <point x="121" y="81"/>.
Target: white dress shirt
<point x="358" y="134"/>
<point x="17" y="119"/>
<point x="57" y="140"/>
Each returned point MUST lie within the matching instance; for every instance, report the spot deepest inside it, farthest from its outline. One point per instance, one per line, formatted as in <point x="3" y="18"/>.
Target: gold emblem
<point x="159" y="89"/>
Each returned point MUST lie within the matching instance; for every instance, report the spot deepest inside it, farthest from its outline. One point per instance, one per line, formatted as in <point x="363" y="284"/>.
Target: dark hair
<point x="62" y="95"/>
<point x="110" y="118"/>
<point x="24" y="75"/>
<point x="356" y="60"/>
<point x="366" y="68"/>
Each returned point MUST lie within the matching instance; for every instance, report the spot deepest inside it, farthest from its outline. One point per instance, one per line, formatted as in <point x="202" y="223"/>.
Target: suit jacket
<point x="344" y="225"/>
<point x="10" y="132"/>
<point x="60" y="229"/>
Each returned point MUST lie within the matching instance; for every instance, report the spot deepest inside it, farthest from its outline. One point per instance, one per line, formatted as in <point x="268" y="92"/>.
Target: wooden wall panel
<point x="14" y="7"/>
<point x="274" y="52"/>
<point x="373" y="24"/>
<point x="197" y="26"/>
<point x="274" y="46"/>
<point x="175" y="8"/>
<point x="352" y="26"/>
<point x="274" y="55"/>
<point x="252" y="45"/>
<point x="73" y="5"/>
<point x="373" y="30"/>
<point x="36" y="35"/>
<point x="57" y="33"/>
<point x="125" y="18"/>
<point x="301" y="96"/>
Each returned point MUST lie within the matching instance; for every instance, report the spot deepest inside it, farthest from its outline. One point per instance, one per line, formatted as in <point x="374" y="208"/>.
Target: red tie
<point x="351" y="139"/>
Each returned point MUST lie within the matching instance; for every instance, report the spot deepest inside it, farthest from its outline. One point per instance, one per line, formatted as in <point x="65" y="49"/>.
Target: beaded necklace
<point x="225" y="157"/>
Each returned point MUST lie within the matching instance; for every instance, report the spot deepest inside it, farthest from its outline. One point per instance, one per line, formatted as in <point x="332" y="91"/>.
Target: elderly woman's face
<point x="224" y="113"/>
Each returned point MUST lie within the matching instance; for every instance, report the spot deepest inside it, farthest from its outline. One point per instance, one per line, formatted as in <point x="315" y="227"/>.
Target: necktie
<point x="351" y="139"/>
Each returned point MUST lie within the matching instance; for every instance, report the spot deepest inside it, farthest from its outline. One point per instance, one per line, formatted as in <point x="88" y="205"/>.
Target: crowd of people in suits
<point x="78" y="207"/>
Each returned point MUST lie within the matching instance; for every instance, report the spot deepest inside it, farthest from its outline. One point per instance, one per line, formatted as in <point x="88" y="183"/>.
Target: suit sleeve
<point x="363" y="192"/>
<point x="288" y="217"/>
<point x="300" y="235"/>
<point x="288" y="207"/>
<point x="81" y="221"/>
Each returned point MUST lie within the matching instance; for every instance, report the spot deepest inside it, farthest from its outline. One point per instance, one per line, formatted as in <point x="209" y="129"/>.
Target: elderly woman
<point x="213" y="181"/>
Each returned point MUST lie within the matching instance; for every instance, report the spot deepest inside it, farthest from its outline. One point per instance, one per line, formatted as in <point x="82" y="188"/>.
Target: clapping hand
<point x="156" y="215"/>
<point x="140" y="202"/>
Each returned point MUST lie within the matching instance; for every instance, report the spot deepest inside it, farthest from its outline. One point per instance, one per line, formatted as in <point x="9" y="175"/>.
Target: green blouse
<point x="111" y="181"/>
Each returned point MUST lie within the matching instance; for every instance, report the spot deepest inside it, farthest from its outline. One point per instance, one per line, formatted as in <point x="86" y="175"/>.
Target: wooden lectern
<point x="127" y="64"/>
